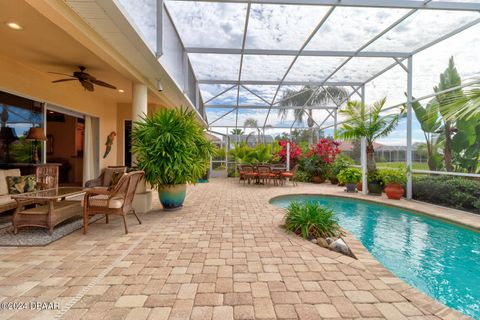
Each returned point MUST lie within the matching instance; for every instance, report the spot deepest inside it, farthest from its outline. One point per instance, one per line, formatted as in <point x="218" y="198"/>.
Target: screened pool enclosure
<point x="237" y="59"/>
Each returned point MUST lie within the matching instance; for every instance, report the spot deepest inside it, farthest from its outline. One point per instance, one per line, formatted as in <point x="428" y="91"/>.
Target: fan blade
<point x="63" y="80"/>
<point x="103" y="84"/>
<point x="62" y="74"/>
<point x="87" y="85"/>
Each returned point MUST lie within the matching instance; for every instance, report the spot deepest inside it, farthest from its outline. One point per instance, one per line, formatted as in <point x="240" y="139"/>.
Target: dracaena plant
<point x="171" y="147"/>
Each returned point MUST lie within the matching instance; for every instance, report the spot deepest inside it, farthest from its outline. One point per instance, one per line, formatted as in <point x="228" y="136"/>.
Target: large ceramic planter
<point x="333" y="180"/>
<point x="318" y="179"/>
<point x="394" y="191"/>
<point x="172" y="197"/>
<point x="374" y="188"/>
<point x="359" y="186"/>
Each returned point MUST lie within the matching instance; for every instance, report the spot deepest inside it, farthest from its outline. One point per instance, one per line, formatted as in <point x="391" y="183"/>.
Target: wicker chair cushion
<point x="115" y="178"/>
<point x="102" y="201"/>
<point x="3" y="179"/>
<point x="108" y="175"/>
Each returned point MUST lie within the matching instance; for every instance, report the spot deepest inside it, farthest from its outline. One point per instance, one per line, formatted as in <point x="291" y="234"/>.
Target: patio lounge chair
<point x="116" y="201"/>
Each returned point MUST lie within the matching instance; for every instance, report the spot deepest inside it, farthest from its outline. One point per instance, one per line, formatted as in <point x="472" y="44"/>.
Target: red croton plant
<point x="326" y="149"/>
<point x="295" y="152"/>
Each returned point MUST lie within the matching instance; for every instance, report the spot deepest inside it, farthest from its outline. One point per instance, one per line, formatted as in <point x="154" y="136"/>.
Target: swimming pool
<point x="438" y="258"/>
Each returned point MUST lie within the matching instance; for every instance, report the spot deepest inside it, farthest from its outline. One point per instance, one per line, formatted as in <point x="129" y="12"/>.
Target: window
<point x="17" y="116"/>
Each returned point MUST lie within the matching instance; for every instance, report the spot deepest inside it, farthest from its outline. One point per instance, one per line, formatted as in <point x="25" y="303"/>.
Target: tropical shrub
<point x="454" y="192"/>
<point x="243" y="154"/>
<point x="393" y="175"/>
<point x="311" y="220"/>
<point x="340" y="163"/>
<point x="171" y="147"/>
<point x="320" y="157"/>
<point x="303" y="176"/>
<point x="326" y="149"/>
<point x="350" y="175"/>
<point x="314" y="166"/>
<point x="295" y="152"/>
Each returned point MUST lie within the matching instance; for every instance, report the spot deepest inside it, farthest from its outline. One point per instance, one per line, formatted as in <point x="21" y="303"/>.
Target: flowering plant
<point x="326" y="149"/>
<point x="295" y="152"/>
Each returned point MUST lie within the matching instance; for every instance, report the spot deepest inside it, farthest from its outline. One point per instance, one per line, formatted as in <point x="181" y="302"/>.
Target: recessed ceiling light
<point x="14" y="26"/>
<point x="121" y="90"/>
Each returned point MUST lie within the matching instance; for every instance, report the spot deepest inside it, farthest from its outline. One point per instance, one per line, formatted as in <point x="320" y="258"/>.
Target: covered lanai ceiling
<point x="246" y="54"/>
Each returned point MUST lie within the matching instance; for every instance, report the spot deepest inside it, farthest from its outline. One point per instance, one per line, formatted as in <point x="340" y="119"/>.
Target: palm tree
<point x="252" y="123"/>
<point x="464" y="106"/>
<point x="448" y="79"/>
<point x="237" y="132"/>
<point x="366" y="122"/>
<point x="304" y="97"/>
<point x="430" y="122"/>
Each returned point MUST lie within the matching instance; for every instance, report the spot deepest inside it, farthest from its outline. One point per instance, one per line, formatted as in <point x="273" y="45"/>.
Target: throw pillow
<point x="21" y="184"/>
<point x="115" y="178"/>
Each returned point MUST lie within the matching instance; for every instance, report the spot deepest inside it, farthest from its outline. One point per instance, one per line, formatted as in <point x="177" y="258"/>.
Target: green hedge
<point x="454" y="192"/>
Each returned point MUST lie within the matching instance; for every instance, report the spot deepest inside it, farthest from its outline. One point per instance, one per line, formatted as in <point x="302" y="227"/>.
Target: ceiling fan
<point x="86" y="80"/>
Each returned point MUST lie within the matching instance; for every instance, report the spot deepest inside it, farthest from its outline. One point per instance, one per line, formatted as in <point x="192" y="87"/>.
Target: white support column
<point x="139" y="101"/>
<point x="409" y="126"/>
<point x="288" y="156"/>
<point x="335" y="120"/>
<point x="159" y="28"/>
<point x="186" y="89"/>
<point x="363" y="154"/>
<point x="143" y="198"/>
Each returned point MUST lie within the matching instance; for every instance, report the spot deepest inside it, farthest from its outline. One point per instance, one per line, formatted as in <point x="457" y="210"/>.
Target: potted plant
<point x="394" y="180"/>
<point x="340" y="163"/>
<point x="375" y="183"/>
<point x="314" y="166"/>
<point x="170" y="146"/>
<point x="350" y="176"/>
<point x="321" y="157"/>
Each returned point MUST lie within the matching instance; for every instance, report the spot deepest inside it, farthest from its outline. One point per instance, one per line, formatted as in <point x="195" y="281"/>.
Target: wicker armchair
<point x="117" y="201"/>
<point x="105" y="177"/>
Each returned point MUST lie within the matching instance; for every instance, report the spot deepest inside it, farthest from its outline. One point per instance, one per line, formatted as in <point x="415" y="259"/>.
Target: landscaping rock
<point x="341" y="247"/>
<point x="314" y="241"/>
<point x="329" y="240"/>
<point x="322" y="242"/>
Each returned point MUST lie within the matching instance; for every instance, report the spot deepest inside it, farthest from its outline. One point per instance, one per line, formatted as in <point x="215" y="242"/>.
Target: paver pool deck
<point x="223" y="256"/>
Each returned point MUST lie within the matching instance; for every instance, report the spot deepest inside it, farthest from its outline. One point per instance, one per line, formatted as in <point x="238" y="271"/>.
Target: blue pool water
<point x="438" y="258"/>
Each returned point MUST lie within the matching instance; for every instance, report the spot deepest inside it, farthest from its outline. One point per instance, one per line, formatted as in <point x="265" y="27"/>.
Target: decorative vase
<point x="351" y="187"/>
<point x="318" y="179"/>
<point x="333" y="180"/>
<point x="172" y="196"/>
<point x="374" y="188"/>
<point x="394" y="191"/>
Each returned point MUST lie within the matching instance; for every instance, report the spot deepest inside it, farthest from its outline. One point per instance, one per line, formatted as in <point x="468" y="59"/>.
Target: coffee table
<point x="51" y="208"/>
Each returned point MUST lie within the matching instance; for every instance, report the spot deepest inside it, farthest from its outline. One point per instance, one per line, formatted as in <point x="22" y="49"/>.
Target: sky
<point x="221" y="25"/>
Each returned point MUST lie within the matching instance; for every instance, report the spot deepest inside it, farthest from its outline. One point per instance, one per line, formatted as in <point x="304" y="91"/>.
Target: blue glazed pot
<point x="172" y="197"/>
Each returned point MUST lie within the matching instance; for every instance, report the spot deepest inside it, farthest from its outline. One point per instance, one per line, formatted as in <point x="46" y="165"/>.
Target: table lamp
<point x="35" y="135"/>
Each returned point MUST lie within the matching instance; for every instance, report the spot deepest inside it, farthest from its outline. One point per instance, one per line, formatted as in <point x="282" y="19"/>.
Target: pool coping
<point x="420" y="299"/>
<point x="456" y="217"/>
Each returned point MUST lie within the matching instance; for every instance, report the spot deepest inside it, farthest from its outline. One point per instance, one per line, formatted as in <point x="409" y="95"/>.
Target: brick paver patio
<point x="224" y="256"/>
